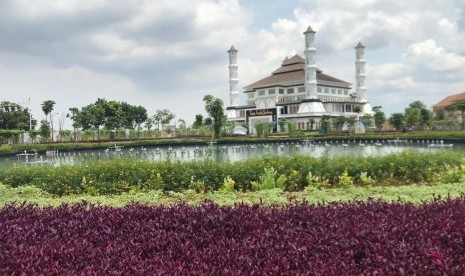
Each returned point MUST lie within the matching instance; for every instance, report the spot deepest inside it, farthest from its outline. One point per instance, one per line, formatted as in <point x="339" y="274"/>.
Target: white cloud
<point x="428" y="54"/>
<point x="169" y="53"/>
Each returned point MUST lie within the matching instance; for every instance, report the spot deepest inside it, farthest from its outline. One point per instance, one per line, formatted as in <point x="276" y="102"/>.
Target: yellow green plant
<point x="345" y="180"/>
<point x="316" y="181"/>
<point x="228" y="184"/>
<point x="365" y="179"/>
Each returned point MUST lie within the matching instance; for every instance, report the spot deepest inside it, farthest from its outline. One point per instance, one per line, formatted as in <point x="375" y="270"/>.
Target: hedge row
<point x="118" y="176"/>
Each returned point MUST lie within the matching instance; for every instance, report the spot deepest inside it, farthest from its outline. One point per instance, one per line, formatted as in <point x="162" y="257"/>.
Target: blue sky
<point x="169" y="53"/>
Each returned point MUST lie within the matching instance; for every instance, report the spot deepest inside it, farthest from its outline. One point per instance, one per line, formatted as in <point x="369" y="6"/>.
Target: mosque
<point x="298" y="91"/>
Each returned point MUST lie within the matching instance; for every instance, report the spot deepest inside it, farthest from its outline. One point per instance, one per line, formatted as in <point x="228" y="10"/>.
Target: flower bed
<point x="336" y="239"/>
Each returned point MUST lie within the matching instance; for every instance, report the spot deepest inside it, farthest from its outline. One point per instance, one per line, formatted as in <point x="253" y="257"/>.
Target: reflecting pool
<point x="230" y="152"/>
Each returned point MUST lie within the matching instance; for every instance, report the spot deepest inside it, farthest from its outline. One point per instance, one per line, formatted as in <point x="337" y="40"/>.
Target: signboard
<point x="262" y="113"/>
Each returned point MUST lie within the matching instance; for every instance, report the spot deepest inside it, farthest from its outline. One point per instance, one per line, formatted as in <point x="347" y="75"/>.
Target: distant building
<point x="445" y="107"/>
<point x="298" y="91"/>
<point x="10" y="107"/>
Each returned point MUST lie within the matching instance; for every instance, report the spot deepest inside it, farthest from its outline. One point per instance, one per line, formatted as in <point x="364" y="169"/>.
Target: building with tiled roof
<point x="449" y="100"/>
<point x="292" y="73"/>
<point x="298" y="91"/>
<point x="446" y="106"/>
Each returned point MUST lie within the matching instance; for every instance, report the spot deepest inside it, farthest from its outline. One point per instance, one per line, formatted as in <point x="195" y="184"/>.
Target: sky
<point x="170" y="53"/>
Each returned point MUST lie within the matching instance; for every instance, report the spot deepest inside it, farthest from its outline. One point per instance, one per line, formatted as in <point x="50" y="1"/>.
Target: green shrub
<point x="123" y="175"/>
<point x="452" y="175"/>
<point x="294" y="182"/>
<point x="269" y="181"/>
<point x="365" y="179"/>
<point x="345" y="180"/>
<point x="228" y="185"/>
<point x="316" y="181"/>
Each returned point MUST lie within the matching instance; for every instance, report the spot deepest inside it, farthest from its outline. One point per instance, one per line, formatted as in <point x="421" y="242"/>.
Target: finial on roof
<point x="359" y="45"/>
<point x="284" y="61"/>
<point x="232" y="49"/>
<point x="309" y="30"/>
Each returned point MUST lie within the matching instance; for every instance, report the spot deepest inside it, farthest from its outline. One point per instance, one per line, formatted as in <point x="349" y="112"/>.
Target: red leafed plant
<point x="335" y="239"/>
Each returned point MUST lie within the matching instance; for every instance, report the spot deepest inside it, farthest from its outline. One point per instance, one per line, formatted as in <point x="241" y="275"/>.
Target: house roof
<point x="292" y="72"/>
<point x="450" y="100"/>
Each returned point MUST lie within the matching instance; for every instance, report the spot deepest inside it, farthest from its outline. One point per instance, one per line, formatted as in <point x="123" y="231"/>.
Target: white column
<point x="233" y="78"/>
<point x="360" y="73"/>
<point x="311" y="104"/>
<point x="310" y="64"/>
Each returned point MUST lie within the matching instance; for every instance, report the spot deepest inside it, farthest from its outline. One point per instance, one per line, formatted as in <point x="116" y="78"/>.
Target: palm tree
<point x="47" y="108"/>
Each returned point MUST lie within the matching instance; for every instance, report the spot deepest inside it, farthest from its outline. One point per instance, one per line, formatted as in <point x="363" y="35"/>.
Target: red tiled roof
<point x="292" y="72"/>
<point x="449" y="100"/>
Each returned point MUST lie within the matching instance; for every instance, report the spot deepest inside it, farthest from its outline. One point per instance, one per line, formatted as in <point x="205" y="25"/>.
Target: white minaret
<point x="311" y="104"/>
<point x="233" y="79"/>
<point x="360" y="73"/>
<point x="310" y="64"/>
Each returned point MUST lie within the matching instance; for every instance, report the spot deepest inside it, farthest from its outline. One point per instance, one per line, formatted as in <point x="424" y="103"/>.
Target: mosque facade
<point x="298" y="91"/>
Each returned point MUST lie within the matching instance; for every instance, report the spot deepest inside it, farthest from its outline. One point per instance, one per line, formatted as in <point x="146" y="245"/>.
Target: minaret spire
<point x="360" y="73"/>
<point x="310" y="64"/>
<point x="310" y="104"/>
<point x="233" y="78"/>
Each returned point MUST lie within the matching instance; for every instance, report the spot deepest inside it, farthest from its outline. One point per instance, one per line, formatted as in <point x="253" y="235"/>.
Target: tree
<point x="351" y="120"/>
<point x="139" y="117"/>
<point x="325" y="123"/>
<point x="149" y="123"/>
<point x="74" y="116"/>
<point x="416" y="114"/>
<point x="440" y="115"/>
<point x="379" y="116"/>
<point x="44" y="130"/>
<point x="198" y="121"/>
<point x="451" y="124"/>
<point x="182" y="126"/>
<point x="426" y="118"/>
<point x="114" y="114"/>
<point x="412" y="116"/>
<point x="259" y="128"/>
<point x="450" y="109"/>
<point x="397" y="120"/>
<point x="15" y="117"/>
<point x="93" y="116"/>
<point x="460" y="105"/>
<point x="417" y="104"/>
<point x="367" y="120"/>
<point x="163" y="117"/>
<point x="282" y="124"/>
<point x="291" y="128"/>
<point x="229" y="127"/>
<point x="208" y="123"/>
<point x="214" y="108"/>
<point x="47" y="108"/>
<point x="339" y="122"/>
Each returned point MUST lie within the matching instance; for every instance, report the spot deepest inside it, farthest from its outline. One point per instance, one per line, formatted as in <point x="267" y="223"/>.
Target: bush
<point x="120" y="175"/>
